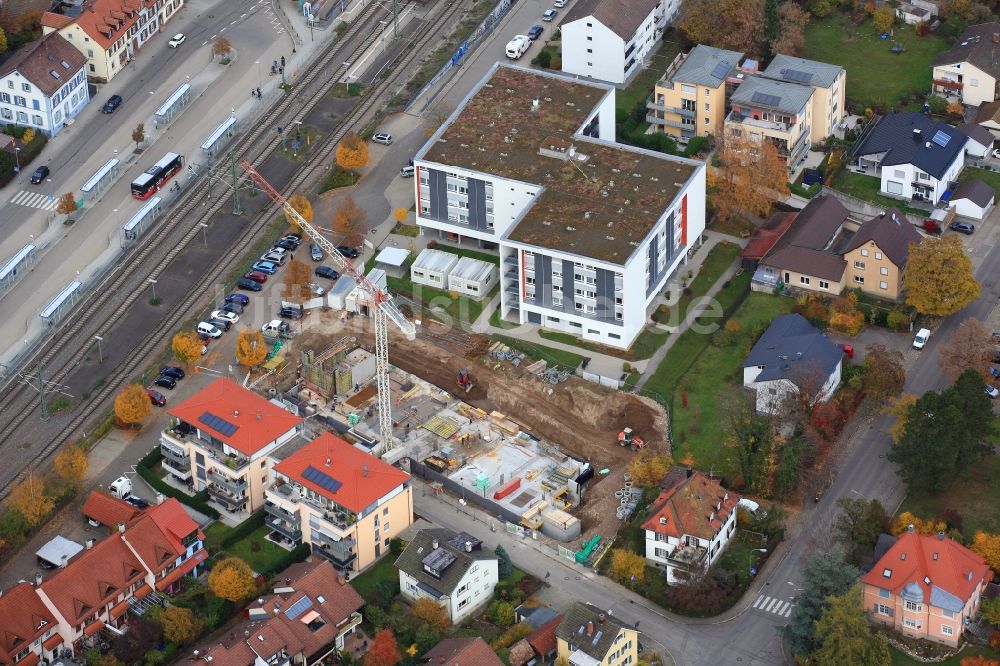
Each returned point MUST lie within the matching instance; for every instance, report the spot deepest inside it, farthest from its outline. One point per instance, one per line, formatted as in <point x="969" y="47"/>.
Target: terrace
<point x="212" y="448"/>
<point x="599" y="200"/>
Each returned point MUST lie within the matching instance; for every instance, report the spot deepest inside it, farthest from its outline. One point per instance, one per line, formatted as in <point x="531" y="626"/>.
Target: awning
<point x="142" y="591"/>
<point x="119" y="610"/>
<point x="53" y="642"/>
<point x="92" y="629"/>
<point x="309" y="617"/>
<point x="182" y="570"/>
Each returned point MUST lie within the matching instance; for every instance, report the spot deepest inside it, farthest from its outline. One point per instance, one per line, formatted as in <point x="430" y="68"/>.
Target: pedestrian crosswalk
<point x="34" y="200"/>
<point x="773" y="605"/>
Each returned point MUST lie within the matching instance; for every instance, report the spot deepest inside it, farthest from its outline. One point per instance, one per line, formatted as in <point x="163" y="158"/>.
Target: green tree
<point x="926" y="451"/>
<point x="968" y="395"/>
<point x="858" y="525"/>
<point x="544" y="58"/>
<point x="844" y="636"/>
<point x="938" y="278"/>
<point x="937" y="104"/>
<point x="990" y="609"/>
<point x="772" y="26"/>
<point x="426" y="637"/>
<point x="750" y="438"/>
<point x="826" y="573"/>
<point x="503" y="562"/>
<point x="884" y="373"/>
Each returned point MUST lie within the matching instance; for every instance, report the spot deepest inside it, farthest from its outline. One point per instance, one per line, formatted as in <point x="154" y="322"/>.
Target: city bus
<point x="153" y="178"/>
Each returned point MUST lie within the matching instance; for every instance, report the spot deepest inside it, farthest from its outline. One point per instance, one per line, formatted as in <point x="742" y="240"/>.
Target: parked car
<point x="166" y="382"/>
<point x="920" y="339"/>
<point x="559" y="4"/>
<point x="294" y="237"/>
<point x="242" y="299"/>
<point x="221" y="324"/>
<point x="40" y="174"/>
<point x="966" y="228"/>
<point x="996" y="153"/>
<point x="316" y="289"/>
<point x="248" y="284"/>
<point x="995" y="372"/>
<point x="348" y="251"/>
<point x="276" y="255"/>
<point x="177" y="40"/>
<point x="315" y="252"/>
<point x="407" y="171"/>
<point x="289" y="245"/>
<point x="290" y="313"/>
<point x="205" y="328"/>
<point x="172" y="371"/>
<point x="137" y="502"/>
<point x="535" y="31"/>
<point x="156" y="397"/>
<point x="991" y="391"/>
<point x="382" y="137"/>
<point x="256" y="276"/>
<point x="327" y="272"/>
<point x="549" y="14"/>
<point x="266" y="267"/>
<point x="112" y="104"/>
<point x="228" y="316"/>
<point x="235" y="308"/>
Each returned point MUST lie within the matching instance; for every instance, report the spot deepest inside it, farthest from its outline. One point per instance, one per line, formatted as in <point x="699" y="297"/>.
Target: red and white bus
<point x="153" y="178"/>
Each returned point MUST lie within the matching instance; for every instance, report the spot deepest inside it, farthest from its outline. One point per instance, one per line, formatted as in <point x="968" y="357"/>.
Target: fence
<point x="601" y="379"/>
<point x="421" y="470"/>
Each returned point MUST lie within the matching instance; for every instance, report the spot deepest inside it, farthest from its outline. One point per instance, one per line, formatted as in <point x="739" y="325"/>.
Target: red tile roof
<point x="157" y="535"/>
<point x="764" y="237"/>
<point x="52" y="641"/>
<point x="108" y="510"/>
<point x="183" y="570"/>
<point x="462" y="652"/>
<point x="543" y="640"/>
<point x="917" y="558"/>
<point x="258" y="422"/>
<point x="23" y="618"/>
<point x="105" y="21"/>
<point x="699" y="506"/>
<point x="363" y="478"/>
<point x="55" y="21"/>
<point x="31" y="660"/>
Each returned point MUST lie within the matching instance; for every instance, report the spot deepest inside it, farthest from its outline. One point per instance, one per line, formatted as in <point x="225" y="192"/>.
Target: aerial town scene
<point x="499" y="332"/>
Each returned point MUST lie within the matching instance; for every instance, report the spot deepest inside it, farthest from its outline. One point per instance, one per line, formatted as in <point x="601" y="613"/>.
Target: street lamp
<point x="17" y="159"/>
<point x="100" y="356"/>
<point x="750" y="557"/>
<point x="257" y="62"/>
<point x="152" y="284"/>
<point x="204" y="232"/>
<point x="384" y="23"/>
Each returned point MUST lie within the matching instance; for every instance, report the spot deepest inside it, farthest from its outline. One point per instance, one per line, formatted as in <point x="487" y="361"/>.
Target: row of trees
<point x="760" y="28"/>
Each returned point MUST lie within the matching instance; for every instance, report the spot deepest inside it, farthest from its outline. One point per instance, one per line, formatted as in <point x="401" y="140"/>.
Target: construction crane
<point x="384" y="308"/>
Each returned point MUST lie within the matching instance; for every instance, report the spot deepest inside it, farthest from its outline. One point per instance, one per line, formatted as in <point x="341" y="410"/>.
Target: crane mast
<point x="384" y="307"/>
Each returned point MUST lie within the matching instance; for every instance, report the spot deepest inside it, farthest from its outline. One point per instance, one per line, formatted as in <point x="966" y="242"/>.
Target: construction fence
<point x="421" y="470"/>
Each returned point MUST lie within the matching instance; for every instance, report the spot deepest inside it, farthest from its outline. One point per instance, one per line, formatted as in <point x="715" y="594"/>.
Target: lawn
<point x="255" y="550"/>
<point x="900" y="659"/>
<point x="875" y="75"/>
<point x="718" y="260"/>
<point x="384" y="569"/>
<point x="991" y="178"/>
<point x="465" y="252"/>
<point x="867" y="188"/>
<point x="642" y="85"/>
<point x="975" y="498"/>
<point x="645" y="345"/>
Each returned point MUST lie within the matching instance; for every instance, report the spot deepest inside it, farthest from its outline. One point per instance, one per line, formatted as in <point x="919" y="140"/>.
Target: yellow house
<point x="690" y="99"/>
<point x="828" y="83"/>
<point x="776" y="111"/>
<point x="588" y="636"/>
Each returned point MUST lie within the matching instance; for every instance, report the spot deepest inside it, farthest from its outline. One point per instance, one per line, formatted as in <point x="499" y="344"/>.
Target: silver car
<point x="383" y="137"/>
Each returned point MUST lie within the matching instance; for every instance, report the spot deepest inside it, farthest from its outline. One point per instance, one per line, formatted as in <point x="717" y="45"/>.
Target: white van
<point x="205" y="328"/>
<point x="921" y="338"/>
<point x="275" y="327"/>
<point x="517" y="46"/>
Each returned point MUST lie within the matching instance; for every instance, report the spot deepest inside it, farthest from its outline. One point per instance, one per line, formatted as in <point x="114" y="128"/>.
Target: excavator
<point x="464" y="380"/>
<point x="627" y="438"/>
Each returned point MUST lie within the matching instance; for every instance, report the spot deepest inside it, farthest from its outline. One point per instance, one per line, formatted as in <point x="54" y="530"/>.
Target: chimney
<point x="197" y="652"/>
<point x="590" y="628"/>
<point x="236" y="412"/>
<point x="468" y="546"/>
<point x="65" y="559"/>
<point x="916" y="135"/>
<point x="259" y="416"/>
<point x="940" y="536"/>
<point x="160" y="498"/>
<point x="38" y="579"/>
<point x="996" y="37"/>
<point x="910" y="528"/>
<point x="327" y="462"/>
<point x="121" y="527"/>
<point x="601" y="618"/>
<point x="364" y="471"/>
<point x="90" y="544"/>
<point x="935" y="556"/>
<point x="690" y="472"/>
<point x="968" y="576"/>
<point x="534" y="104"/>
<point x="434" y="544"/>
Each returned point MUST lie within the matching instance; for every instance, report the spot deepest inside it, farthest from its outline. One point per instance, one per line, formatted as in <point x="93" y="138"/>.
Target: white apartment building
<point x="589" y="231"/>
<point x="608" y="39"/>
<point x="43" y="85"/>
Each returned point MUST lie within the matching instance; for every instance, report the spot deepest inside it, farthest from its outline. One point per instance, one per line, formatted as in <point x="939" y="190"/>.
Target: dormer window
<point x="886" y="573"/>
<point x="927" y="580"/>
<point x="902" y="556"/>
<point x="663" y="520"/>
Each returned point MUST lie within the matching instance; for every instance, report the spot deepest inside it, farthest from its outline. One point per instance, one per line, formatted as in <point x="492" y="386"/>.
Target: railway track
<point x="69" y="346"/>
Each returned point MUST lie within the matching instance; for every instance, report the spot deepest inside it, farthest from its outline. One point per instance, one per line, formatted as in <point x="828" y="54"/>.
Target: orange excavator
<point x="464" y="380"/>
<point x="627" y="438"/>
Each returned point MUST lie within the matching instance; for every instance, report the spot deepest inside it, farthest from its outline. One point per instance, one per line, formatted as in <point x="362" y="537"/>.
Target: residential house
<point x="689" y="527"/>
<point x="690" y="99"/>
<point x="588" y="636"/>
<point x="29" y="633"/>
<point x="43" y="85"/>
<point x="970" y="69"/>
<point x="169" y="544"/>
<point x="107" y="510"/>
<point x="765" y="109"/>
<point x="589" y="230"/>
<point x="764" y="238"/>
<point x="608" y="39"/>
<point x="913" y="156"/>
<point x="220" y="441"/>
<point x="306" y="618"/>
<point x="462" y="652"/>
<point x="916" y="11"/>
<point x="543" y="640"/>
<point x="791" y="357"/>
<point x="110" y="32"/>
<point x="875" y="257"/>
<point x="988" y="116"/>
<point x="926" y="586"/>
<point x="828" y="83"/>
<point x="973" y="199"/>
<point x="450" y="568"/>
<point x="979" y="142"/>
<point x="344" y="502"/>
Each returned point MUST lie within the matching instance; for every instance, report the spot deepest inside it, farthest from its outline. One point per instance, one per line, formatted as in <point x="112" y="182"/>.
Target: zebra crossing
<point x="773" y="605"/>
<point x="34" y="200"/>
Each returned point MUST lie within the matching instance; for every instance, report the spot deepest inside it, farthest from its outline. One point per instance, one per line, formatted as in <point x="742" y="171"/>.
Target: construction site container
<point x="472" y="277"/>
<point x="507" y="488"/>
<point x="432" y="268"/>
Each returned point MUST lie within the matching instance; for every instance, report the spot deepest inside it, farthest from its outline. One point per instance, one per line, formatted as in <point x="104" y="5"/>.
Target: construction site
<point x="533" y="445"/>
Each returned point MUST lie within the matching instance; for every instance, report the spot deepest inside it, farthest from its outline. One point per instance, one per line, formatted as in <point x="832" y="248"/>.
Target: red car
<point x="256" y="276"/>
<point x="156" y="397"/>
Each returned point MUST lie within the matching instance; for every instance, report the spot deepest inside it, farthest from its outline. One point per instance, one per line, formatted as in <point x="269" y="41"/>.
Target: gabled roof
<point x="975" y="191"/>
<point x="707" y="66"/>
<point x="799" y="70"/>
<point x="913" y="138"/>
<point x="622" y="17"/>
<point x="411" y="560"/>
<point x="975" y="46"/>
<point x="588" y="628"/>
<point x="930" y="569"/>
<point x="352" y="478"/>
<point x="108" y="510"/>
<point x="50" y="63"/>
<point x="765" y="237"/>
<point x="792" y="348"/>
<point x="520" y="653"/>
<point x="250" y="421"/>
<point x="763" y="93"/>
<point x="989" y="111"/>
<point x="23" y="618"/>
<point x="803" y="247"/>
<point x="105" y="21"/>
<point x="699" y="506"/>
<point x="157" y="535"/>
<point x="462" y="652"/>
<point x="891" y="232"/>
<point x="977" y="133"/>
<point x="543" y="639"/>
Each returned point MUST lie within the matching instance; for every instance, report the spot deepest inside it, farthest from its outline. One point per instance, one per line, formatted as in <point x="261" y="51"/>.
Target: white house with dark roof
<point x="608" y="39"/>
<point x="792" y="355"/>
<point x="828" y="83"/>
<point x="43" y="85"/>
<point x="980" y="140"/>
<point x="970" y="70"/>
<point x="973" y="199"/>
<point x="913" y="156"/>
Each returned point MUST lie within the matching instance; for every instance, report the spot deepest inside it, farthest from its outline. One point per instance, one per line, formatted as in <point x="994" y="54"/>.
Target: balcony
<point x="330" y="513"/>
<point x="288" y="530"/>
<point x="280" y="512"/>
<point x="347" y="625"/>
<point x="236" y="486"/>
<point x="340" y="554"/>
<point x="740" y="119"/>
<point x="687" y="129"/>
<point x="691" y="558"/>
<point x="171" y="452"/>
<point x="948" y="84"/>
<point x="228" y="498"/>
<point x="179" y="470"/>
<point x="211" y="448"/>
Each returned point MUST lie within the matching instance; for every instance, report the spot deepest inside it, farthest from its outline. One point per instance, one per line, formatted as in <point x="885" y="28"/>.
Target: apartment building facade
<point x="828" y="84"/>
<point x="690" y="99"/>
<point x="344" y="502"/>
<point x="220" y="441"/>
<point x="775" y="111"/>
<point x="588" y="230"/>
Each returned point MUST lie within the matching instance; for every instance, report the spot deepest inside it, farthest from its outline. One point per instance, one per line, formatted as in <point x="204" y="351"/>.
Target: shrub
<point x="723" y="338"/>
<point x="897" y="321"/>
<point x="545" y="59"/>
<point x="851" y="324"/>
<point x="931" y="226"/>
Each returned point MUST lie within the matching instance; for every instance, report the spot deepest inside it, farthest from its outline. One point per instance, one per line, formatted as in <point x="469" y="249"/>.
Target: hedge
<point x="244" y="529"/>
<point x="296" y="555"/>
<point x="25" y="156"/>
<point x="198" y="502"/>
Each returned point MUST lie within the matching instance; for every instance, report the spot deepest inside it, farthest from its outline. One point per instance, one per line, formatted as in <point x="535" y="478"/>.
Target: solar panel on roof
<point x="438" y="560"/>
<point x="298" y="608"/>
<point x="796" y="75"/>
<point x="321" y="479"/>
<point x="766" y="99"/>
<point x="720" y="70"/>
<point x="941" y="138"/>
<point x="218" y="424"/>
